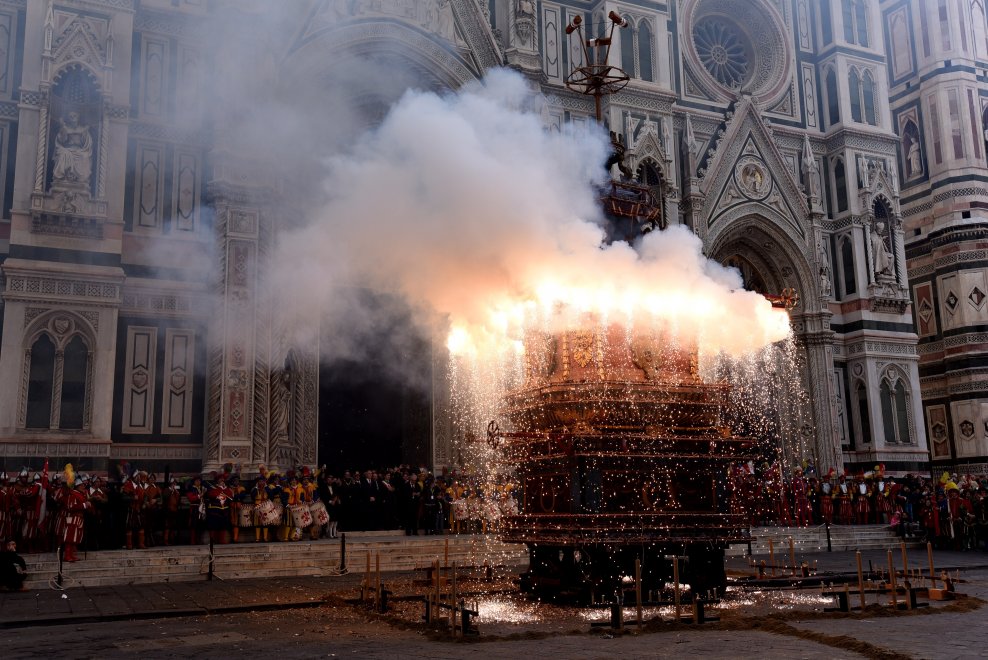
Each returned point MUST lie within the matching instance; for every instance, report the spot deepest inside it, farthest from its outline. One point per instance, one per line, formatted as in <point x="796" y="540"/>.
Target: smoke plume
<point x="464" y="206"/>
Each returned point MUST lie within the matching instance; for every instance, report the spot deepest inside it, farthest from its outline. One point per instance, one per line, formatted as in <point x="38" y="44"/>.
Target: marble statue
<point x="880" y="251"/>
<point x="73" y="152"/>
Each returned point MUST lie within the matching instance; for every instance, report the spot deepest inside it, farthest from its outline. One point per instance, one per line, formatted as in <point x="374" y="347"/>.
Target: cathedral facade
<point x="833" y="147"/>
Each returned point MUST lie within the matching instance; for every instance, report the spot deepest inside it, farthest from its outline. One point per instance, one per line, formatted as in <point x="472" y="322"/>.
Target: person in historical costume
<point x="278" y="495"/>
<point x="219" y="498"/>
<point x="332" y="501"/>
<point x="171" y="502"/>
<point x="238" y="495"/>
<point x="844" y="495"/>
<point x="29" y="503"/>
<point x="74" y="504"/>
<point x="864" y="491"/>
<point x="259" y="495"/>
<point x="826" y="498"/>
<point x="289" y="531"/>
<point x="153" y="512"/>
<point x="96" y="514"/>
<point x="133" y="496"/>
<point x="197" y="509"/>
<point x="885" y="496"/>
<point x="6" y="507"/>
<point x="310" y="495"/>
<point x="802" y="510"/>
<point x="73" y="151"/>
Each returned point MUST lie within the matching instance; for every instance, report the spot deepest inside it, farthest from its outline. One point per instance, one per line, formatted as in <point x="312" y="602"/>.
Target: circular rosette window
<point x="738" y="46"/>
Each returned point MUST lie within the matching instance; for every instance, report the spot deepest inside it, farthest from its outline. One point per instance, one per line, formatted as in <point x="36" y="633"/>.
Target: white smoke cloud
<point x="466" y="207"/>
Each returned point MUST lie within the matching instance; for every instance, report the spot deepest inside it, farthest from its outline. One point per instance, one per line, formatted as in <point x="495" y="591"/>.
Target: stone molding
<point x="135" y="451"/>
<point x="89" y="449"/>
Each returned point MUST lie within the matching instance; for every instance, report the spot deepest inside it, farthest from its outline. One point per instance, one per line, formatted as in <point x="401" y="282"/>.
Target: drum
<point x="245" y="516"/>
<point x="460" y="511"/>
<point x="269" y="513"/>
<point x="301" y="516"/>
<point x="491" y="511"/>
<point x="319" y="513"/>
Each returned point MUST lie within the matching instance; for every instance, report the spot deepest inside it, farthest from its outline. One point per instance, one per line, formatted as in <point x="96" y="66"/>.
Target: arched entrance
<point x="377" y="380"/>
<point x="770" y="259"/>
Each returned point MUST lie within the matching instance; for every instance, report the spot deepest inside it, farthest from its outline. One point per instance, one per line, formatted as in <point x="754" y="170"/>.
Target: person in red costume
<point x="75" y="505"/>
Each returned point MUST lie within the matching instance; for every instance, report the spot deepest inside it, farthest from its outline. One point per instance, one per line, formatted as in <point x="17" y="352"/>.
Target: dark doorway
<point x="374" y="386"/>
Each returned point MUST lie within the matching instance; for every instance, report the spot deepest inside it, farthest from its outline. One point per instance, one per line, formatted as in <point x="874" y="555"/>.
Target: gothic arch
<point x="763" y="241"/>
<point x="61" y="326"/>
<point x="62" y="329"/>
<point x="340" y="45"/>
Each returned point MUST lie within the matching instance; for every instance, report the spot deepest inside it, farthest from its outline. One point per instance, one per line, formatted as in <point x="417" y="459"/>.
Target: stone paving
<point x="278" y="616"/>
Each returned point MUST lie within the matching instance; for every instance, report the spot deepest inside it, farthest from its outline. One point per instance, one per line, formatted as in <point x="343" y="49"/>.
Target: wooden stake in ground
<point x="638" y="590"/>
<point x="771" y="555"/>
<point x="861" y="587"/>
<point x="366" y="591"/>
<point x="792" y="555"/>
<point x="906" y="581"/>
<point x="895" y="596"/>
<point x="452" y="600"/>
<point x="929" y="555"/>
<point x="377" y="578"/>
<point x="675" y="587"/>
<point x="446" y="554"/>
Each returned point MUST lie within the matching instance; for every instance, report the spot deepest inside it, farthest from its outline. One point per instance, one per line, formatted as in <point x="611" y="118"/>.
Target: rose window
<point x="723" y="51"/>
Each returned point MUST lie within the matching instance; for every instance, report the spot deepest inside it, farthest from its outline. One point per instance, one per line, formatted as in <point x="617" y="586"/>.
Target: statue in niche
<point x="881" y="253"/>
<point x="73" y="152"/>
<point x="914" y="159"/>
<point x="825" y="278"/>
<point x="282" y="448"/>
<point x="526" y="8"/>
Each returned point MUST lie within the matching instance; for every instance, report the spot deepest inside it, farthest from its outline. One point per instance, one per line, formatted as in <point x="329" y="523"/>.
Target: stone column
<point x="817" y="340"/>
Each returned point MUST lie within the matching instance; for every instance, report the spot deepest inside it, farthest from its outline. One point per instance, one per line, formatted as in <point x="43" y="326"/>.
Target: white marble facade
<point x="819" y="101"/>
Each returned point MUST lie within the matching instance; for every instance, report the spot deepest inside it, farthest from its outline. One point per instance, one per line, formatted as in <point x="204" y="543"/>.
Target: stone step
<point x="303" y="558"/>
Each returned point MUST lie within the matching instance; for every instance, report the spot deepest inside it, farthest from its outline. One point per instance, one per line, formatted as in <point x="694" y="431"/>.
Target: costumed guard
<point x="290" y="531"/>
<point x="826" y="495"/>
<point x="310" y="496"/>
<point x="196" y="495"/>
<point x="844" y="494"/>
<point x="862" y="499"/>
<point x="6" y="507"/>
<point x="171" y="501"/>
<point x="95" y="516"/>
<point x="30" y="499"/>
<point x="72" y="519"/>
<point x="885" y="495"/>
<point x="258" y="496"/>
<point x="800" y="499"/>
<point x="133" y="495"/>
<point x="219" y="498"/>
<point x="235" y="504"/>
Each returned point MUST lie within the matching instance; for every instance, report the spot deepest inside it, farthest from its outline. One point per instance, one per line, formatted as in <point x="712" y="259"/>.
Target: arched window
<point x="74" y="371"/>
<point x="861" y="22"/>
<point x="855" y="17"/>
<point x="848" y="280"/>
<point x="847" y="15"/>
<point x="58" y="369"/>
<point x="895" y="412"/>
<point x="833" y="101"/>
<point x="868" y="98"/>
<point x="980" y="30"/>
<point x="854" y="90"/>
<point x="862" y="420"/>
<point x="628" y="47"/>
<point x="826" y="23"/>
<point x="944" y="24"/>
<point x="645" y="52"/>
<point x="840" y="185"/>
<point x="40" y="383"/>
